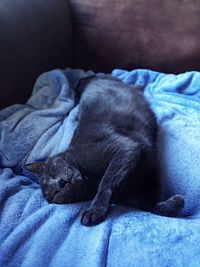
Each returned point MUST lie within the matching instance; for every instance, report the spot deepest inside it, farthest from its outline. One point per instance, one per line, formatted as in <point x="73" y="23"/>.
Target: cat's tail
<point x="82" y="84"/>
<point x="170" y="207"/>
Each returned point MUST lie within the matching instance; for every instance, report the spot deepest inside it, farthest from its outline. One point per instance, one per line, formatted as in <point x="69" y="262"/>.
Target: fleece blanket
<point x="34" y="233"/>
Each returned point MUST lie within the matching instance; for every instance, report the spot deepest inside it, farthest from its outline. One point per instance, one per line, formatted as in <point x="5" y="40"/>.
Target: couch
<point x="96" y="35"/>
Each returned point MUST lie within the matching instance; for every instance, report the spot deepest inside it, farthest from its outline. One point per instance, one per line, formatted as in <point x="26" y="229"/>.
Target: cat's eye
<point x="69" y="172"/>
<point x="51" y="172"/>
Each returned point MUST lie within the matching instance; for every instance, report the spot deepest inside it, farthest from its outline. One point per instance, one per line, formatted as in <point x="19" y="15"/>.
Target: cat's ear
<point x="37" y="167"/>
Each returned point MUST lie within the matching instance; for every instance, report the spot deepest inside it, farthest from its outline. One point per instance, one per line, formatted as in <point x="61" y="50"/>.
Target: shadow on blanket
<point x="34" y="233"/>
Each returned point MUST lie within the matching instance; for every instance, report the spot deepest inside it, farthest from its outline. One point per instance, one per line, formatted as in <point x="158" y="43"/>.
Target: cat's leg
<point x="124" y="160"/>
<point x="151" y="199"/>
<point x="170" y="207"/>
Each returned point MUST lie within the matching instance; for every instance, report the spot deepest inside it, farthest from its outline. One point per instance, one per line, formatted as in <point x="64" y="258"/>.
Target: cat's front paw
<point x="93" y="216"/>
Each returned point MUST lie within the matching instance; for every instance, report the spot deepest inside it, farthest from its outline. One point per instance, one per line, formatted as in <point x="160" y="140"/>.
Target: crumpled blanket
<point x="34" y="233"/>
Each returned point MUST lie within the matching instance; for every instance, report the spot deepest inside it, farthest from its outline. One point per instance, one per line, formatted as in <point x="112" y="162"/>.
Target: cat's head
<point x="60" y="181"/>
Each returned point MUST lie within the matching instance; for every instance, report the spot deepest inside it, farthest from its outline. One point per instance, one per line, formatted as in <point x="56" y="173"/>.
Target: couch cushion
<point x="34" y="36"/>
<point x="160" y="35"/>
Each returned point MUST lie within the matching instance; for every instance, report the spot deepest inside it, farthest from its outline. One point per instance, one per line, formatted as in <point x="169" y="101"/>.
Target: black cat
<point x="112" y="155"/>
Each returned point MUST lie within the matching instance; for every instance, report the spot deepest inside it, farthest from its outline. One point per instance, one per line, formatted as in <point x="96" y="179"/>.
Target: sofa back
<point x="35" y="36"/>
<point x="160" y="35"/>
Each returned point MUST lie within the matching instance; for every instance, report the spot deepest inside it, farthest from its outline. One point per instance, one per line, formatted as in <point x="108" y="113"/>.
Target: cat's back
<point x="111" y="114"/>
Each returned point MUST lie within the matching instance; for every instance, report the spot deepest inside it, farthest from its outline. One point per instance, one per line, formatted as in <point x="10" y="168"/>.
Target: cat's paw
<point x="171" y="207"/>
<point x="92" y="216"/>
<point x="178" y="202"/>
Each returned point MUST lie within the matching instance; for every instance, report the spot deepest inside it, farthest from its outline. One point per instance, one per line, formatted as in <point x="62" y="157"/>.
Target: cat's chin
<point x="61" y="198"/>
<point x="67" y="194"/>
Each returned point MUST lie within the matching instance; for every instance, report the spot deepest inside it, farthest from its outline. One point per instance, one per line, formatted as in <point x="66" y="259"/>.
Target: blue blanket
<point x="34" y="233"/>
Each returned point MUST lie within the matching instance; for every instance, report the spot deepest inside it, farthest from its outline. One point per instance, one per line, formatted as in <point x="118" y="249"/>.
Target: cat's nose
<point x="62" y="182"/>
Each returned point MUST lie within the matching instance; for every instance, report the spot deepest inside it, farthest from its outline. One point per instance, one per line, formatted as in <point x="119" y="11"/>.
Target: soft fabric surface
<point x="35" y="233"/>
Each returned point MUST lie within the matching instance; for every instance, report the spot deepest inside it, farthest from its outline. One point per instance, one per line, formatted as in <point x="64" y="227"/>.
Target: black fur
<point x="112" y="155"/>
